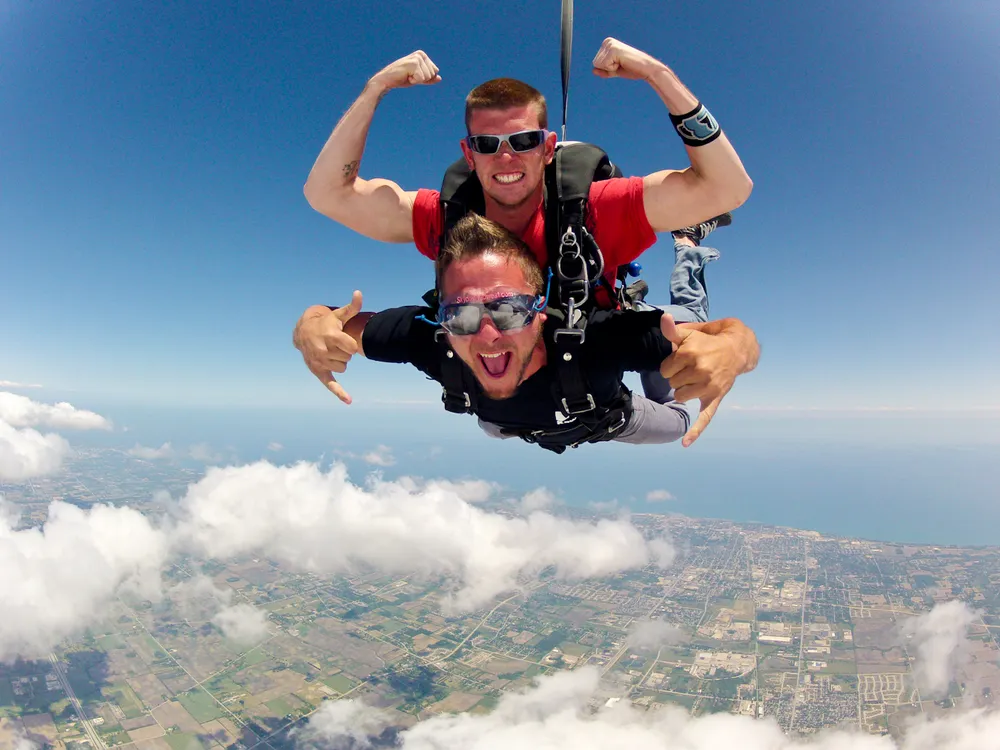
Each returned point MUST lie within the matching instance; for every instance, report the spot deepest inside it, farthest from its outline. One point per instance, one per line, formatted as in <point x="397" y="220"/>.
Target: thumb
<point x="704" y="417"/>
<point x="352" y="309"/>
<point x="671" y="332"/>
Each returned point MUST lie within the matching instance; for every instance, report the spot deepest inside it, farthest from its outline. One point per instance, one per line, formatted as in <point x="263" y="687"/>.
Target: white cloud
<point x="342" y="725"/>
<point x="21" y="411"/>
<point x="651" y="634"/>
<point x="19" y="386"/>
<point x="322" y="523"/>
<point x="203" y="452"/>
<point x="537" y="499"/>
<point x="658" y="496"/>
<point x="381" y="456"/>
<point x="242" y="623"/>
<point x="27" y="453"/>
<point x="941" y="642"/>
<point x="140" y="451"/>
<point x="275" y="446"/>
<point x="554" y="714"/>
<point x="58" y="579"/>
<point x="469" y="490"/>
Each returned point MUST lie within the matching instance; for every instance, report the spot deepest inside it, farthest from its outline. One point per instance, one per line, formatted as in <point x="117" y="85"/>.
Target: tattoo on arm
<point x="351" y="169"/>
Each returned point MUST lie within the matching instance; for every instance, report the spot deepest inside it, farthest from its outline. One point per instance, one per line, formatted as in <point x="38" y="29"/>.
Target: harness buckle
<point x="591" y="405"/>
<point x="452" y="401"/>
<point x="579" y="332"/>
<point x="621" y="423"/>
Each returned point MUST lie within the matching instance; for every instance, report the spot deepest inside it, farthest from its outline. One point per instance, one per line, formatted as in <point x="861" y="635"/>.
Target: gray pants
<point x="656" y="417"/>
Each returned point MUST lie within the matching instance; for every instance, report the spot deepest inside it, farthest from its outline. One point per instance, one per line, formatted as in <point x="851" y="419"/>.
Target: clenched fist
<point x="414" y="69"/>
<point x="618" y="60"/>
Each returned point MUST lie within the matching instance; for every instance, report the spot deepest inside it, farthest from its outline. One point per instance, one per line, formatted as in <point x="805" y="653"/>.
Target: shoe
<point x="635" y="293"/>
<point x="700" y="231"/>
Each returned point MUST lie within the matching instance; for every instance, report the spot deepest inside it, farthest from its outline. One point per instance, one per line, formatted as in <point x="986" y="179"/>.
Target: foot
<point x="700" y="231"/>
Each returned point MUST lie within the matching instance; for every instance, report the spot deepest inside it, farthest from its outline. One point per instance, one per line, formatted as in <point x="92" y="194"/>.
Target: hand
<point x="415" y="68"/>
<point x="325" y="347"/>
<point x="702" y="366"/>
<point x="618" y="60"/>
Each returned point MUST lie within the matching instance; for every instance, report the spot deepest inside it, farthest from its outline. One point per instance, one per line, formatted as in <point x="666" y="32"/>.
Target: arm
<point x="377" y="208"/>
<point x="716" y="180"/>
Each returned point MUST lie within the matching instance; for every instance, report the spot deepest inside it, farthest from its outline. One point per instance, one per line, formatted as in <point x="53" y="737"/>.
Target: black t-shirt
<point x="616" y="341"/>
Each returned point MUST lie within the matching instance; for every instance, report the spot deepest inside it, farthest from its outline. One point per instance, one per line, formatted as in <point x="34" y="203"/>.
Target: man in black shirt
<point x="493" y="347"/>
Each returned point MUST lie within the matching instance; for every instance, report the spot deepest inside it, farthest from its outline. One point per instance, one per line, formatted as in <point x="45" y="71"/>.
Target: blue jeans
<point x="688" y="304"/>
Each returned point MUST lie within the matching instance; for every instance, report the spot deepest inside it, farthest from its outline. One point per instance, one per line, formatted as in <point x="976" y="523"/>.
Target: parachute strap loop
<point x="456" y="395"/>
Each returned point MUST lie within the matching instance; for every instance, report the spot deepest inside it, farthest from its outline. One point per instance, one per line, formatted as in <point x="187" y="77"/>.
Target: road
<point x="95" y="739"/>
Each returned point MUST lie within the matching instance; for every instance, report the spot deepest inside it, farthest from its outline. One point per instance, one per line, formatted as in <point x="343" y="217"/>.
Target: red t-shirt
<point x="616" y="218"/>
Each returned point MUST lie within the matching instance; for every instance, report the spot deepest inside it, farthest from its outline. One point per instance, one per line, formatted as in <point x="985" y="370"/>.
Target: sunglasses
<point x="507" y="313"/>
<point x="519" y="142"/>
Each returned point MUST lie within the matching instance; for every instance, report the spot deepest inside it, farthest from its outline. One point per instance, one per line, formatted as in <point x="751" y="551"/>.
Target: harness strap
<point x="456" y="394"/>
<point x="601" y="426"/>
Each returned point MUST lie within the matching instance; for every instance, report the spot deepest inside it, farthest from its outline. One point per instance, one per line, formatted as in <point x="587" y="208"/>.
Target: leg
<point x="688" y="293"/>
<point x="654" y="422"/>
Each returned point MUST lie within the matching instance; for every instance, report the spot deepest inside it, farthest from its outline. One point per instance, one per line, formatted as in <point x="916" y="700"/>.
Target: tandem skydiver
<point x="494" y="349"/>
<point x="508" y="148"/>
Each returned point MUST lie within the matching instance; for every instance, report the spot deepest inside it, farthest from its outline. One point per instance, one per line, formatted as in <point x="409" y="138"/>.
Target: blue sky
<point x="156" y="249"/>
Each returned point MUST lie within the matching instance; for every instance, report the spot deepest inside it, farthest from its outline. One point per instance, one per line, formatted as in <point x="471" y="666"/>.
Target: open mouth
<point x="508" y="178"/>
<point x="495" y="364"/>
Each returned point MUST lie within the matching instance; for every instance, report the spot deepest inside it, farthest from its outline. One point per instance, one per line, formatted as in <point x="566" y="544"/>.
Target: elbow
<point x="738" y="192"/>
<point x="322" y="199"/>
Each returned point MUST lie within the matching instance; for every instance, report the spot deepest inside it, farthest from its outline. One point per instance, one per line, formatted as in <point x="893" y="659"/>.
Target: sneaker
<point x="700" y="231"/>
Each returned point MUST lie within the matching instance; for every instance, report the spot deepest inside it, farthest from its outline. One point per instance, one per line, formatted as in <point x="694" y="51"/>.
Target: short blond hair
<point x="504" y="93"/>
<point x="474" y="236"/>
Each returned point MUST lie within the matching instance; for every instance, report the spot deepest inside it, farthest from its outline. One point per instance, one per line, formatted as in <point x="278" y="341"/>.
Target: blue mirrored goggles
<point x="522" y="141"/>
<point x="507" y="313"/>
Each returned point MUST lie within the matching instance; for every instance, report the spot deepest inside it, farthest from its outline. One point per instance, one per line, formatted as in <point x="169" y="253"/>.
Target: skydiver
<point x="492" y="314"/>
<point x="508" y="146"/>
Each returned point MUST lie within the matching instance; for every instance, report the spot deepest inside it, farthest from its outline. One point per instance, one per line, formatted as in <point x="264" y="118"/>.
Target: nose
<point x="488" y="332"/>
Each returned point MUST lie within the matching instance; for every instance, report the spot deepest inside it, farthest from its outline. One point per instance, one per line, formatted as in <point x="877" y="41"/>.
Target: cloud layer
<point x="26" y="453"/>
<point x="940" y="638"/>
<point x="323" y="523"/>
<point x="59" y="578"/>
<point x="555" y="714"/>
<point x="21" y="411"/>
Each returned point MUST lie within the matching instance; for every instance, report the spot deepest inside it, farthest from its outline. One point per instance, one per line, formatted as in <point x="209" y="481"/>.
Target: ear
<point x="467" y="153"/>
<point x="550" y="147"/>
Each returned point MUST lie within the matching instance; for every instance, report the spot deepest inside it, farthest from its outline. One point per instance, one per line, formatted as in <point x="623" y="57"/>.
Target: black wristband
<point x="697" y="127"/>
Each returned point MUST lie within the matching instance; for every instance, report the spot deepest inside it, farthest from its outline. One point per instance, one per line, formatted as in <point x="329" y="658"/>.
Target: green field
<point x="126" y="698"/>
<point x="840" y="667"/>
<point x="252" y="658"/>
<point x="282" y="706"/>
<point x="200" y="705"/>
<point x="183" y="741"/>
<point x="339" y="682"/>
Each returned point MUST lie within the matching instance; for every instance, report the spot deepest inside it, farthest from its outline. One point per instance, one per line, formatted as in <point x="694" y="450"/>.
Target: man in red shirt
<point x="508" y="147"/>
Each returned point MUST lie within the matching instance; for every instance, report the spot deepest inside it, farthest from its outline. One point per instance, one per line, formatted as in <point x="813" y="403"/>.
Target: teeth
<point x="493" y="356"/>
<point x="507" y="179"/>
